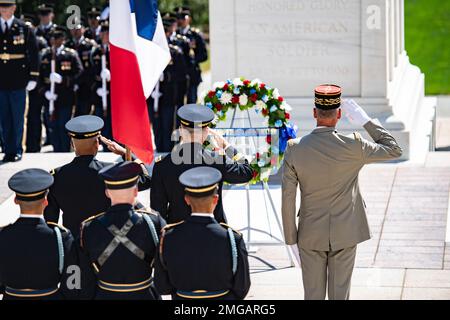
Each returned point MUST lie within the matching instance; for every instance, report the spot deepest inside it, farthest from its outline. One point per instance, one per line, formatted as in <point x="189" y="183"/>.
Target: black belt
<point x="30" y="293"/>
<point x="121" y="287"/>
<point x="202" y="294"/>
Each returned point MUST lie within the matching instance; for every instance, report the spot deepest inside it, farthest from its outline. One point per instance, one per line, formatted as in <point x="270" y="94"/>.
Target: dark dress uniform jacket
<point x="29" y="258"/>
<point x="196" y="255"/>
<point x="15" y="71"/>
<point x="167" y="193"/>
<point x="79" y="192"/>
<point x="123" y="266"/>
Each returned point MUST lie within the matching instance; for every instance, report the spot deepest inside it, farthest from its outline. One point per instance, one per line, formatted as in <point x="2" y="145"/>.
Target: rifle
<point x="104" y="88"/>
<point x="52" y="83"/>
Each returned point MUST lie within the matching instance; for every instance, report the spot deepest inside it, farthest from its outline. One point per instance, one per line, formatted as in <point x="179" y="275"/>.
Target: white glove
<point x="101" y="92"/>
<point x="56" y="77"/>
<point x="106" y="74"/>
<point x="296" y="253"/>
<point x="76" y="88"/>
<point x="51" y="96"/>
<point x="355" y="113"/>
<point x="31" y="85"/>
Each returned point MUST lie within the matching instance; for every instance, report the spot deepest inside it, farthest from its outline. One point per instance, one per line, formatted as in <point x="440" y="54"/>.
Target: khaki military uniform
<point x="332" y="216"/>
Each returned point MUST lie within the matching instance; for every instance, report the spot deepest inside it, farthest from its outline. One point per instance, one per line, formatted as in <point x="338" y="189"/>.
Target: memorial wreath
<point x="264" y="100"/>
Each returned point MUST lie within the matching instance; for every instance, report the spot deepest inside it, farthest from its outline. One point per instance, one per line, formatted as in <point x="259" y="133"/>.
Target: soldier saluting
<point x="19" y="73"/>
<point x="36" y="265"/>
<point x="198" y="257"/>
<point x="122" y="242"/>
<point x="60" y="69"/>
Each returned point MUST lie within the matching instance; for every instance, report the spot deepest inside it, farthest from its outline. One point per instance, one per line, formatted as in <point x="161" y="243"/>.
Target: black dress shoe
<point x="16" y="158"/>
<point x="8" y="158"/>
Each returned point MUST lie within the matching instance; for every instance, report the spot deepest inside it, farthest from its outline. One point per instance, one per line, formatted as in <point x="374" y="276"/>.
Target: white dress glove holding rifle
<point x="56" y="78"/>
<point x="355" y="113"/>
<point x="31" y="85"/>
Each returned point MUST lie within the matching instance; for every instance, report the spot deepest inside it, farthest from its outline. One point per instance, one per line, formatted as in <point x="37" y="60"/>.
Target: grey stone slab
<point x="426" y="294"/>
<point x="376" y="277"/>
<point x="410" y="249"/>
<point x="375" y="293"/>
<point x="427" y="279"/>
<point x="408" y="243"/>
<point x="413" y="236"/>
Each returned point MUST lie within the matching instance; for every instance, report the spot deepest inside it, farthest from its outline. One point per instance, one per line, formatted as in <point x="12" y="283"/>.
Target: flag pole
<point x="128" y="154"/>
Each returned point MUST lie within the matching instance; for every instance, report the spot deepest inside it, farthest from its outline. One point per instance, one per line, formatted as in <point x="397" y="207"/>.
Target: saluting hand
<point x="114" y="147"/>
<point x="219" y="139"/>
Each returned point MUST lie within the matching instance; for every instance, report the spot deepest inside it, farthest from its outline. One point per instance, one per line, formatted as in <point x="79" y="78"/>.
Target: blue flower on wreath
<point x="265" y="98"/>
<point x="220" y="114"/>
<point x="237" y="90"/>
<point x="273" y="109"/>
<point x="252" y="91"/>
<point x="287" y="133"/>
<point x="278" y="124"/>
<point x="229" y="81"/>
<point x="209" y="105"/>
<point x="219" y="94"/>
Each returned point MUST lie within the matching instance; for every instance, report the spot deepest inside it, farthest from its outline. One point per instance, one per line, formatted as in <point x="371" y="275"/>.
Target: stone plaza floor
<point x="407" y="257"/>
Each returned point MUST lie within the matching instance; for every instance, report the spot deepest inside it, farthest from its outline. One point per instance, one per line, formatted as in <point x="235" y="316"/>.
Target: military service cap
<point x="94" y="13"/>
<point x="45" y="9"/>
<point x="84" y="127"/>
<point x="104" y="25"/>
<point x="7" y="3"/>
<point x="58" y="32"/>
<point x="201" y="181"/>
<point x="195" y="116"/>
<point x="328" y="97"/>
<point x="31" y="184"/>
<point x="183" y="11"/>
<point x="122" y="175"/>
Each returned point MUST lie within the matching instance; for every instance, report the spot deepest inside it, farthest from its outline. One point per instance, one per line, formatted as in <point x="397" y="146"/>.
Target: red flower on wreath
<point x="262" y="86"/>
<point x="255" y="174"/>
<point x="281" y="99"/>
<point x="254" y="97"/>
<point x="258" y="155"/>
<point x="269" y="139"/>
<point x="218" y="106"/>
<point x="288" y="116"/>
<point x="265" y="112"/>
<point x="226" y="87"/>
<point x="246" y="82"/>
<point x="235" y="99"/>
<point x="211" y="94"/>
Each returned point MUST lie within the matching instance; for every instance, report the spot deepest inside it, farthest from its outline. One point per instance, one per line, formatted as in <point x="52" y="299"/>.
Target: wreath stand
<point x="267" y="196"/>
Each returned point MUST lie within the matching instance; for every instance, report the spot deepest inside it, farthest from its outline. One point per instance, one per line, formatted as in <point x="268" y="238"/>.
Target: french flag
<point x="139" y="54"/>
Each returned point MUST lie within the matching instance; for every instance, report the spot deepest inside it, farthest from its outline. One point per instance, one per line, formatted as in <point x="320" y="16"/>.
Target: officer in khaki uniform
<point x="332" y="217"/>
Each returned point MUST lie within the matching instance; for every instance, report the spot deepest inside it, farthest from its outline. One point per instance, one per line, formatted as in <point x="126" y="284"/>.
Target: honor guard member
<point x="46" y="25"/>
<point x="93" y="30"/>
<point x="167" y="193"/>
<point x="35" y="100"/>
<point x="122" y="242"/>
<point x="68" y="69"/>
<point x="84" y="47"/>
<point x="163" y="102"/>
<point x="183" y="43"/>
<point x="198" y="257"/>
<point x="325" y="165"/>
<point x="34" y="255"/>
<point x="101" y="87"/>
<point x="19" y="72"/>
<point x="198" y="51"/>
<point x="78" y="191"/>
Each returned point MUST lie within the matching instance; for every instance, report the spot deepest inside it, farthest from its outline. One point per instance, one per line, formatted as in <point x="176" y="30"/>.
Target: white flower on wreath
<point x="218" y="85"/>
<point x="243" y="100"/>
<point x="260" y="105"/>
<point x="237" y="82"/>
<point x="276" y="94"/>
<point x="284" y="106"/>
<point x="256" y="81"/>
<point x="226" y="98"/>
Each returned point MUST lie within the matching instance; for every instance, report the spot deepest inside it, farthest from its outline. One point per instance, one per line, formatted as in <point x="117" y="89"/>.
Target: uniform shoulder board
<point x="92" y="218"/>
<point x="54" y="171"/>
<point x="357" y="136"/>
<point x="173" y="225"/>
<point x="228" y="227"/>
<point x="160" y="158"/>
<point x="55" y="225"/>
<point x="148" y="211"/>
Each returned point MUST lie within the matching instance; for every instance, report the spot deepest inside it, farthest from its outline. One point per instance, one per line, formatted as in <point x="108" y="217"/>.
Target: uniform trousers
<point x="334" y="268"/>
<point x="12" y="113"/>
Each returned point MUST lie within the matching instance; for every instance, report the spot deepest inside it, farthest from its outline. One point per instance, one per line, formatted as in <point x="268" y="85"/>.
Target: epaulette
<point x="148" y="211"/>
<point x="357" y="136"/>
<point x="92" y="218"/>
<point x="170" y="226"/>
<point x="53" y="224"/>
<point x="160" y="158"/>
<point x="228" y="227"/>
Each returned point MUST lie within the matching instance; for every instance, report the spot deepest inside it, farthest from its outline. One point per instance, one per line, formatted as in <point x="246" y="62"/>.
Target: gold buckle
<point x="5" y="56"/>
